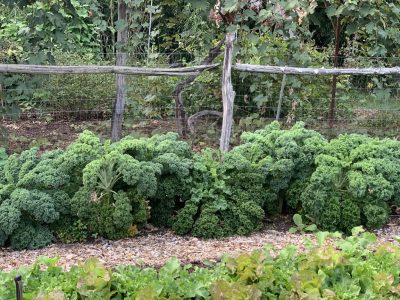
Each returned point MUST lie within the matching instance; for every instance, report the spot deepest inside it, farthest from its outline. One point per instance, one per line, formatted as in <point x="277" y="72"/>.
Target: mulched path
<point x="154" y="247"/>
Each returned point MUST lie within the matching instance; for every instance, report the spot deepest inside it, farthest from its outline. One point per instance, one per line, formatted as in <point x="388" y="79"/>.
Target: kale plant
<point x="234" y="191"/>
<point x="28" y="204"/>
<point x="355" y="182"/>
<point x="131" y="174"/>
<point x="285" y="159"/>
<point x="35" y="191"/>
<point x="217" y="208"/>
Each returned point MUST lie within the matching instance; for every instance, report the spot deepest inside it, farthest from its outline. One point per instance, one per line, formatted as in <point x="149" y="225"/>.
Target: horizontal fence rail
<point x="180" y="114"/>
<point x="315" y="71"/>
<point x="187" y="71"/>
<point x="93" y="69"/>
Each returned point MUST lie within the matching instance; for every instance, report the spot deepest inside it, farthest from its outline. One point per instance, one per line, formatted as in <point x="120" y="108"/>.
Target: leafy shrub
<point x="99" y="188"/>
<point x="286" y="161"/>
<point x="233" y="192"/>
<point x="131" y="173"/>
<point x="216" y="207"/>
<point x="35" y="191"/>
<point x="355" y="182"/>
<point x="31" y="236"/>
<point x="25" y="209"/>
<point x="92" y="188"/>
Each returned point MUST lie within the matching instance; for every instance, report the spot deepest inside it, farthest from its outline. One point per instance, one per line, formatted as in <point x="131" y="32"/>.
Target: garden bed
<point x="153" y="247"/>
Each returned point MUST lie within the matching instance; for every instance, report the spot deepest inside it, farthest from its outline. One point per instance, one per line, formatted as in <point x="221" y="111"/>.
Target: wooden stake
<point x="278" y="111"/>
<point x="18" y="288"/>
<point x="228" y="95"/>
<point x="332" y="104"/>
<point x="119" y="104"/>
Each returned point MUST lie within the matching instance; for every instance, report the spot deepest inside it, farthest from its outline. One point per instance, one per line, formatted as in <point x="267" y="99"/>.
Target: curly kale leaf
<point x="16" y="166"/>
<point x="183" y="223"/>
<point x="5" y="191"/>
<point x="10" y="217"/>
<point x="210" y="225"/>
<point x="159" y="168"/>
<point x="122" y="214"/>
<point x="357" y="179"/>
<point x="148" y="175"/>
<point x="249" y="216"/>
<point x="112" y="215"/>
<point x="46" y="174"/>
<point x="175" y="178"/>
<point x="36" y="204"/>
<point x="169" y="143"/>
<point x="376" y="216"/>
<point x="85" y="149"/>
<point x="31" y="236"/>
<point x="283" y="157"/>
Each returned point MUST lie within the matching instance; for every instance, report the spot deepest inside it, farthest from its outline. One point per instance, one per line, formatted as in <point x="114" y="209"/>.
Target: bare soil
<point x="23" y="134"/>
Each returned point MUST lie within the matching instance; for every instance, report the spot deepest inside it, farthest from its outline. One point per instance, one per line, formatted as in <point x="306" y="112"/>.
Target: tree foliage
<point x="268" y="32"/>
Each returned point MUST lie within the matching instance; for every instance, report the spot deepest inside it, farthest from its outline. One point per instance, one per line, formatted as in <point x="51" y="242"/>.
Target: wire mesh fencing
<point x="50" y="110"/>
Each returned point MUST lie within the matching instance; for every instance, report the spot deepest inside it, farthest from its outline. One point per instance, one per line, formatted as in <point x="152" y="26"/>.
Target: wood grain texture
<point x="228" y="94"/>
<point x="92" y="69"/>
<point x="315" y="71"/>
<point x="119" y="103"/>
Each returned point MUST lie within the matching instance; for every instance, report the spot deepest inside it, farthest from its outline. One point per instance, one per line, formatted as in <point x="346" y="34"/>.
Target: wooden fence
<point x="315" y="71"/>
<point x="228" y="94"/>
<point x="58" y="70"/>
<point x="120" y="71"/>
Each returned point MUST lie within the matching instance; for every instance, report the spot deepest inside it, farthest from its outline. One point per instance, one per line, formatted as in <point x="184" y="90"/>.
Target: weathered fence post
<point x="278" y="110"/>
<point x="119" y="104"/>
<point x="228" y="95"/>
<point x="19" y="288"/>
<point x="333" y="104"/>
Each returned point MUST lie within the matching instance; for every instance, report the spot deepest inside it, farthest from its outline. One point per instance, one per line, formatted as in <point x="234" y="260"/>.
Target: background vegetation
<point x="296" y="32"/>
